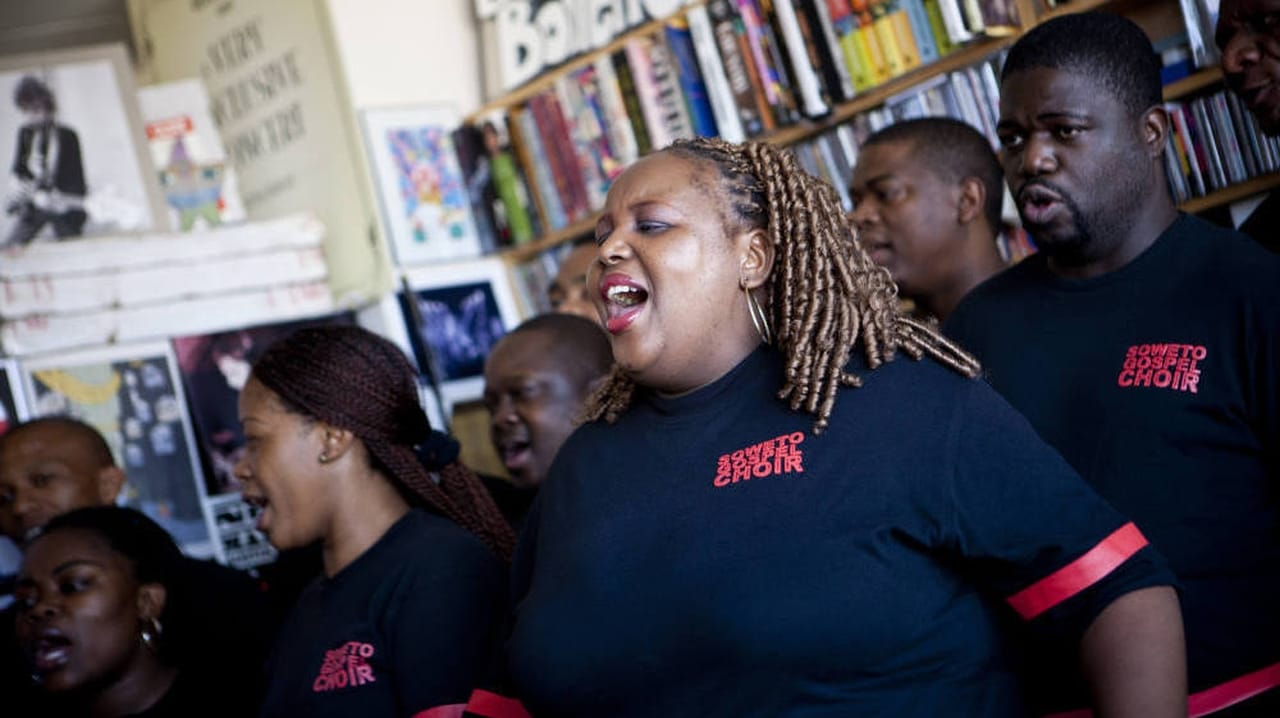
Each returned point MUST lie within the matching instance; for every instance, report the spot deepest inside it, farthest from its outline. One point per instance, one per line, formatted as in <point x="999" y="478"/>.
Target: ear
<point x="336" y="442"/>
<point x="110" y="480"/>
<point x="972" y="200"/>
<point x="757" y="257"/>
<point x="1155" y="129"/>
<point x="151" y="600"/>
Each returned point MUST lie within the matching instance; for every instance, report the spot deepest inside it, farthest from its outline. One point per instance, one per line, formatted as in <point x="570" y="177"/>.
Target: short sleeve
<point x="444" y="632"/>
<point x="1031" y="530"/>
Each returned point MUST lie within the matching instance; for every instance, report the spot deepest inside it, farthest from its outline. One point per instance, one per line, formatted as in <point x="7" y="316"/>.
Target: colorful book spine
<point x="719" y="92"/>
<point x="631" y="100"/>
<point x="638" y="58"/>
<point x="739" y="68"/>
<point x="918" y="20"/>
<point x="830" y="57"/>
<point x="617" y="122"/>
<point x="812" y="95"/>
<point x="697" y="98"/>
<point x="671" y="102"/>
<point x="548" y="198"/>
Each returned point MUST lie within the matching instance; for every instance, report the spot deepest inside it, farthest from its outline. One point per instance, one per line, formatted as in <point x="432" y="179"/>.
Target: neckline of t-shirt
<point x="703" y="400"/>
<point x="1162" y="245"/>
<point x="401" y="524"/>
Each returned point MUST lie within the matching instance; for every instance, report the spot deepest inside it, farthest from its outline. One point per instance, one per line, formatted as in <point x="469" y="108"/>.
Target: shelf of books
<point x="819" y="76"/>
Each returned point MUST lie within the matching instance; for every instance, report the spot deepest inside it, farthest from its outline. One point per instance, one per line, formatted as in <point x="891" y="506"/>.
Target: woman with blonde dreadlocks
<point x="766" y="514"/>
<point x="404" y="618"/>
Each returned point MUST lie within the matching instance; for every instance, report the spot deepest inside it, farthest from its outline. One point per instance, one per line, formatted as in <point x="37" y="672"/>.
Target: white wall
<point x="398" y="52"/>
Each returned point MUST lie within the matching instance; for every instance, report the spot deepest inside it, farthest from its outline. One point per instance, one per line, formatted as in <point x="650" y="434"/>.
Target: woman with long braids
<point x="766" y="514"/>
<point x="404" y="617"/>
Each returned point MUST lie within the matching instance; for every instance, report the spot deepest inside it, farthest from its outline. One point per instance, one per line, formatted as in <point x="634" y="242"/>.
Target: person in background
<point x="770" y="513"/>
<point x="1143" y="344"/>
<point x="105" y="620"/>
<point x="927" y="196"/>
<point x="404" y="618"/>
<point x="568" y="291"/>
<point x="1248" y="34"/>
<point x="48" y="186"/>
<point x="535" y="382"/>
<point x="52" y="465"/>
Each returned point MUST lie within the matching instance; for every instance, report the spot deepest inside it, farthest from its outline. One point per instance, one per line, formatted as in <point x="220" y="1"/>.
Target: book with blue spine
<point x="680" y="41"/>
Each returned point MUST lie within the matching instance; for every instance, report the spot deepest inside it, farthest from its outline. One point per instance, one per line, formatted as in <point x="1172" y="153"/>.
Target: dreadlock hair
<point x="1110" y="48"/>
<point x="953" y="151"/>
<point x="826" y="295"/>
<point x="352" y="378"/>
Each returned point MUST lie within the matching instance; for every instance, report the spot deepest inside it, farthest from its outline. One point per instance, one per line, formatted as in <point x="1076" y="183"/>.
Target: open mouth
<point x="51" y="651"/>
<point x="624" y="300"/>
<point x="516" y="454"/>
<point x="1038" y="205"/>
<point x="261" y="504"/>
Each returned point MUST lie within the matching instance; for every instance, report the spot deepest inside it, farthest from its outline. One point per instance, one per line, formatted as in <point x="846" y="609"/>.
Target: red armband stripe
<point x="1220" y="697"/>
<point x="492" y="705"/>
<point x="1080" y="574"/>
<point x="453" y="710"/>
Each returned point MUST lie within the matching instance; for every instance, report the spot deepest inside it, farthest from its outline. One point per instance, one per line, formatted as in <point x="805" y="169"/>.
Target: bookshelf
<point x="803" y="128"/>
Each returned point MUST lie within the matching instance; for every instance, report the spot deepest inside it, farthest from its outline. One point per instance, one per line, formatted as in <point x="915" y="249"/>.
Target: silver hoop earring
<point x="323" y="458"/>
<point x="759" y="317"/>
<point x="151" y="630"/>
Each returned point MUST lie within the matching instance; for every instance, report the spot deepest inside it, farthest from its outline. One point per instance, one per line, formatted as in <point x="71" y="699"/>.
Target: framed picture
<point x="131" y="394"/>
<point x="72" y="148"/>
<point x="426" y="208"/>
<point x="13" y="407"/>
<point x="454" y="315"/>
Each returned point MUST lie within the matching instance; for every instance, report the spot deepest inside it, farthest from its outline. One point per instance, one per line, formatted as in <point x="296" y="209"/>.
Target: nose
<point x="1038" y="157"/>
<point x="614" y="249"/>
<point x="865" y="213"/>
<point x="241" y="469"/>
<point x="503" y="412"/>
<point x="46" y="607"/>
<point x="1240" y="51"/>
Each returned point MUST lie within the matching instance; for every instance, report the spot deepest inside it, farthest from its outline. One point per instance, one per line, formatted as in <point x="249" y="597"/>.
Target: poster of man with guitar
<point x="47" y="183"/>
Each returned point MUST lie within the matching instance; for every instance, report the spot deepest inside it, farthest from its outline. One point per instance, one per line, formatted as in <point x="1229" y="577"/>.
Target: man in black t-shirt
<point x="1248" y="34"/>
<point x="52" y="465"/>
<point x="1143" y="344"/>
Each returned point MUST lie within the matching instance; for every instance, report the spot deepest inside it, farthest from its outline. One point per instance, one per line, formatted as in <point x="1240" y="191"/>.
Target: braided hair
<point x="354" y="379"/>
<point x="826" y="294"/>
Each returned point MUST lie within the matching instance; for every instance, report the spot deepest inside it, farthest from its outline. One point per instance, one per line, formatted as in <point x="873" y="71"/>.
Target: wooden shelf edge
<point x="1230" y="194"/>
<point x="516" y="255"/>
<point x="1191" y="83"/>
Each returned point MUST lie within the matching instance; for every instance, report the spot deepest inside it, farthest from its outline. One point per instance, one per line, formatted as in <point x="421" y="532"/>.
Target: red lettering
<point x="1162" y="378"/>
<point x="365" y="673"/>
<point x="1126" y="376"/>
<point x="1199" y="353"/>
<point x="1190" y="382"/>
<point x="793" y="464"/>
<point x="1142" y="377"/>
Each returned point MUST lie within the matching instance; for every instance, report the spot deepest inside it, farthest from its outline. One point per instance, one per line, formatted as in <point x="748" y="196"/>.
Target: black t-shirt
<point x="406" y="627"/>
<point x="1160" y="384"/>
<point x="709" y="555"/>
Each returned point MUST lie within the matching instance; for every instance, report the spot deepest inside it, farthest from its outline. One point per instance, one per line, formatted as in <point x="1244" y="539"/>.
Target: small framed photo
<point x="454" y="315"/>
<point x="73" y="149"/>
<point x="426" y="207"/>
<point x="131" y="394"/>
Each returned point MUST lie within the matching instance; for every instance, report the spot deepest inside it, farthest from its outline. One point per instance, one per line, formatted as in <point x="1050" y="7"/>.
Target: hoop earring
<point x="323" y="458"/>
<point x="759" y="317"/>
<point x="150" y="634"/>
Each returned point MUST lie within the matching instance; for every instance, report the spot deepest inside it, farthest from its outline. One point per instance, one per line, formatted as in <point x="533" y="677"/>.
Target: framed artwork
<point x="454" y="314"/>
<point x="426" y="208"/>
<point x="132" y="395"/>
<point x="72" y="148"/>
<point x="214" y="369"/>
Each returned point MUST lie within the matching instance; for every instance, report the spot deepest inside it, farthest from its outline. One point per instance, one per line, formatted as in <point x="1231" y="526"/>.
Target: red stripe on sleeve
<point x="1079" y="574"/>
<point x="449" y="711"/>
<point x="492" y="705"/>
